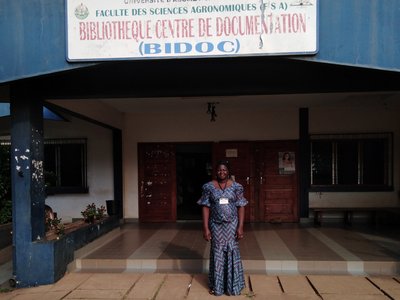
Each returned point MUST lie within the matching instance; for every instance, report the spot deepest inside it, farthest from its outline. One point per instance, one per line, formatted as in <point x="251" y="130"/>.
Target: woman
<point x="223" y="216"/>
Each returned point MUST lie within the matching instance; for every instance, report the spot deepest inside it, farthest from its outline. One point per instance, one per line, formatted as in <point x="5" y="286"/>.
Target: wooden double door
<point x="270" y="186"/>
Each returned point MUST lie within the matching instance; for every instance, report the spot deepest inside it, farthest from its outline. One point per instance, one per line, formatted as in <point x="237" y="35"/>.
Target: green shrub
<point x="6" y="212"/>
<point x="5" y="185"/>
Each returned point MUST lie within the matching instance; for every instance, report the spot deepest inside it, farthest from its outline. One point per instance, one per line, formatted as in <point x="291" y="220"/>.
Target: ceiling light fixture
<point x="211" y="110"/>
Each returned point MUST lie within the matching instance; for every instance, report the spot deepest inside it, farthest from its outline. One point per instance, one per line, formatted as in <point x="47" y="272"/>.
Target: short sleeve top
<point x="222" y="203"/>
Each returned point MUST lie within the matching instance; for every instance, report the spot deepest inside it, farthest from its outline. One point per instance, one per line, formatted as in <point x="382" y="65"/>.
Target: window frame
<point x="83" y="189"/>
<point x="359" y="187"/>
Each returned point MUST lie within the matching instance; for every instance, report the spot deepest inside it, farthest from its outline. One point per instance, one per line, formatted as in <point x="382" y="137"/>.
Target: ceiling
<point x="389" y="100"/>
<point x="246" y="82"/>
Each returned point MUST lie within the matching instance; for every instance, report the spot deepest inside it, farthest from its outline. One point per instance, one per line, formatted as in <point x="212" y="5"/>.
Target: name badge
<point x="223" y="201"/>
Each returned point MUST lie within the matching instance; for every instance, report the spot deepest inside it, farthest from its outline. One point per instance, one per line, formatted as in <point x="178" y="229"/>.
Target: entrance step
<point x="278" y="267"/>
<point x="265" y="249"/>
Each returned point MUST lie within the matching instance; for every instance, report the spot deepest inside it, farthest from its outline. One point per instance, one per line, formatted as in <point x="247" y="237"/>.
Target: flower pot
<point x="110" y="204"/>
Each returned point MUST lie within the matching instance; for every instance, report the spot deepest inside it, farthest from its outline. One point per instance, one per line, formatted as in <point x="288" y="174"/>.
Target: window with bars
<point x="351" y="162"/>
<point x="65" y="165"/>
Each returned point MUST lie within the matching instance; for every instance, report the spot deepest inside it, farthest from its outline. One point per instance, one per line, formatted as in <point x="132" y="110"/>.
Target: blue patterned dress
<point x="226" y="270"/>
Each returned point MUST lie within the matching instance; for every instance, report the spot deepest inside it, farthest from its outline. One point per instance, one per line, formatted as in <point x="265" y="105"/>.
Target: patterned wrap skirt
<point x="226" y="270"/>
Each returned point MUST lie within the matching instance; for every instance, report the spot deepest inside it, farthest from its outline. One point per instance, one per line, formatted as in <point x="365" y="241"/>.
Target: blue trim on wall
<point x="351" y="32"/>
<point x="46" y="262"/>
<point x="32" y="39"/>
<point x="48" y="114"/>
<point x="4" y="109"/>
<point x="360" y="33"/>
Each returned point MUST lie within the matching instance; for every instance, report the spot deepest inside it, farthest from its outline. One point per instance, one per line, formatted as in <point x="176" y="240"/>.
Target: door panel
<point x="279" y="181"/>
<point x="272" y="194"/>
<point x="157" y="182"/>
<point x="278" y="195"/>
<point x="239" y="156"/>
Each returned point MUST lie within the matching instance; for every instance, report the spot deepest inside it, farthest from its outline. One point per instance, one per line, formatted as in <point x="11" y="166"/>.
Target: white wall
<point x="195" y="126"/>
<point x="236" y="120"/>
<point x="93" y="109"/>
<point x="255" y="123"/>
<point x="99" y="164"/>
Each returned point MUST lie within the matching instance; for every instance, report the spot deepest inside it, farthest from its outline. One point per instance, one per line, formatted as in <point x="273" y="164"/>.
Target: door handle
<point x="248" y="180"/>
<point x="142" y="187"/>
<point x="261" y="180"/>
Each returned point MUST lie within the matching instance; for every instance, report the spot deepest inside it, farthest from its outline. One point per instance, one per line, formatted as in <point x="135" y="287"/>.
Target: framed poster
<point x="287" y="162"/>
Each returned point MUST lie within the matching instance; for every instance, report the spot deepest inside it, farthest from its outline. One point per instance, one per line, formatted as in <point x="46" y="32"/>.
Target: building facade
<point x="147" y="132"/>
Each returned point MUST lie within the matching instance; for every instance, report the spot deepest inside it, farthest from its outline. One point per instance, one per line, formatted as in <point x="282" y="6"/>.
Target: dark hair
<point x="224" y="163"/>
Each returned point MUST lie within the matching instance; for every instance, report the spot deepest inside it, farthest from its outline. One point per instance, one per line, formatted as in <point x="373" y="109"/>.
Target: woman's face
<point x="222" y="172"/>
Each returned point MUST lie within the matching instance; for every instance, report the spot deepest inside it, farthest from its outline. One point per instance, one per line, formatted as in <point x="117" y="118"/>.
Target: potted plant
<point x="93" y="213"/>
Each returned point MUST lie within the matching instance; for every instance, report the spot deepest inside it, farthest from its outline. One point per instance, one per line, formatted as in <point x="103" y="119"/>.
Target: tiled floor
<point x="266" y="248"/>
<point x="183" y="286"/>
<point x="298" y="261"/>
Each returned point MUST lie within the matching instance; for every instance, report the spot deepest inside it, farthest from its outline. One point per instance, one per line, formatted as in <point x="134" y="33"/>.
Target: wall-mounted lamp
<point x="211" y="110"/>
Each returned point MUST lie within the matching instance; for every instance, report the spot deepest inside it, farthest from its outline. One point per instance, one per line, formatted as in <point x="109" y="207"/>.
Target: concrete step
<point x="271" y="267"/>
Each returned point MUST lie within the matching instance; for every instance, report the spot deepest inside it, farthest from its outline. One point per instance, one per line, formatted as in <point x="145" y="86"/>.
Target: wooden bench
<point x="349" y="212"/>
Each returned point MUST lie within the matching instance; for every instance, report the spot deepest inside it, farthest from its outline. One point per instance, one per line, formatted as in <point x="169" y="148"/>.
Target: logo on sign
<point x="81" y="12"/>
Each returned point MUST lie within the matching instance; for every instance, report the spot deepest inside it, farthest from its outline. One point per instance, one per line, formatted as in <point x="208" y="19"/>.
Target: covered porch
<point x="350" y="85"/>
<point x="267" y="248"/>
<point x="271" y="249"/>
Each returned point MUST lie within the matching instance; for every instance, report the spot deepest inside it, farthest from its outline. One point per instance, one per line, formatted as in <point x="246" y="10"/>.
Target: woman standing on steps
<point x="223" y="217"/>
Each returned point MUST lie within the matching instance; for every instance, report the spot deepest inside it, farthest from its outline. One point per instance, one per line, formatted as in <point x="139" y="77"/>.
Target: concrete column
<point x="304" y="162"/>
<point x="117" y="164"/>
<point x="27" y="177"/>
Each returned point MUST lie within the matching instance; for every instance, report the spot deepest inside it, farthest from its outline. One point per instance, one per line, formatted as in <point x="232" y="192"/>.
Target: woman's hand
<point x="206" y="217"/>
<point x="207" y="235"/>
<point x="239" y="230"/>
<point x="239" y="233"/>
